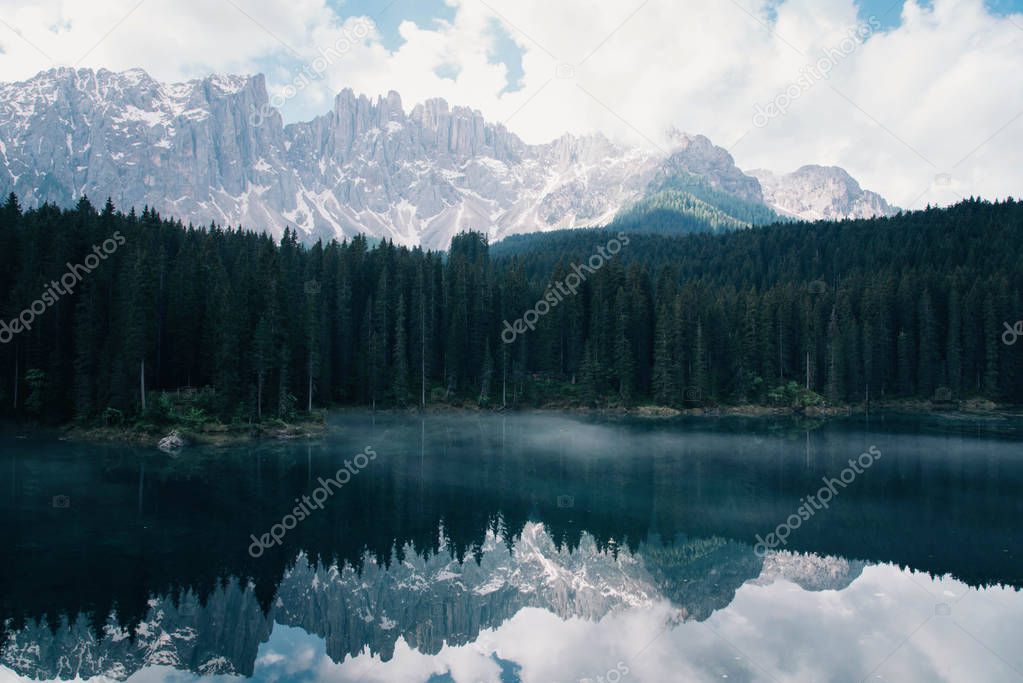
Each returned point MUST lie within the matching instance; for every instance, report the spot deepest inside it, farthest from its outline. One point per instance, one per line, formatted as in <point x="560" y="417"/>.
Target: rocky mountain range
<point x="213" y="150"/>
<point x="820" y="193"/>
<point x="428" y="601"/>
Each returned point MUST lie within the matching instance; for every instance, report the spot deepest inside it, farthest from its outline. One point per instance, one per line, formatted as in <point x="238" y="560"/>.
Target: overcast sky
<point x="921" y="101"/>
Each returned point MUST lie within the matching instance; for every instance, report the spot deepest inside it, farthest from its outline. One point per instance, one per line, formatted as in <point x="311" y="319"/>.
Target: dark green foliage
<point x="896" y="307"/>
<point x="674" y="213"/>
<point x="689" y="196"/>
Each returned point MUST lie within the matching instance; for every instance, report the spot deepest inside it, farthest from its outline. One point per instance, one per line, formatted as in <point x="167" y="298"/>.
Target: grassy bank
<point x="192" y="419"/>
<point x="210" y="433"/>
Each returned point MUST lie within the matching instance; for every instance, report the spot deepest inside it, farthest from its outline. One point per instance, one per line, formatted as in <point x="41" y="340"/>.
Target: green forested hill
<point x="674" y="213"/>
<point x="684" y="204"/>
<point x="901" y="306"/>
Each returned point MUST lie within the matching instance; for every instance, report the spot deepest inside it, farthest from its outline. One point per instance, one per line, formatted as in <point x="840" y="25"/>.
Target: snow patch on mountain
<point x="820" y="193"/>
<point x="203" y="151"/>
<point x="425" y="600"/>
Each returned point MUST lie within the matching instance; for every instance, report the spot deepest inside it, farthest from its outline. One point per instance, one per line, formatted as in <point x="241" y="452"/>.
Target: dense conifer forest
<point x="912" y="306"/>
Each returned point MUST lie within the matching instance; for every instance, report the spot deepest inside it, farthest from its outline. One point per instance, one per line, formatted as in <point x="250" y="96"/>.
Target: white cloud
<point x="751" y="638"/>
<point x="907" y="105"/>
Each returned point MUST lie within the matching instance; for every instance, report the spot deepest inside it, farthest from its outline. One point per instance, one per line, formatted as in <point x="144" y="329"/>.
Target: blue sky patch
<point x="506" y="51"/>
<point x="388" y="15"/>
<point x="889" y="12"/>
<point x="448" y="71"/>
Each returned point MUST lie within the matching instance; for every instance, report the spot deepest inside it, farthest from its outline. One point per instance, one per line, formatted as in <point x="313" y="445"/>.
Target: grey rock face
<point x="186" y="149"/>
<point x="809" y="572"/>
<point x="219" y="637"/>
<point x="820" y="193"/>
<point x="429" y="601"/>
<point x="202" y="151"/>
<point x="698" y="156"/>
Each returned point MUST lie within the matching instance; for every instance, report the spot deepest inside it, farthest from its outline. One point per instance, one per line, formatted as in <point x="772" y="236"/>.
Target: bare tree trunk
<point x="485" y="386"/>
<point x="282" y="390"/>
<point x="259" y="397"/>
<point x="159" y="332"/>
<point x="422" y="346"/>
<point x="781" y="357"/>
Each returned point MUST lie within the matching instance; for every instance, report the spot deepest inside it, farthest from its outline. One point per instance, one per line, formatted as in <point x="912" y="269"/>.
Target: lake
<point x="527" y="547"/>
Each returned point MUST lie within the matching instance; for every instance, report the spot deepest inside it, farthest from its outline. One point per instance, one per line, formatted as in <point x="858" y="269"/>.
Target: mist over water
<point x="527" y="547"/>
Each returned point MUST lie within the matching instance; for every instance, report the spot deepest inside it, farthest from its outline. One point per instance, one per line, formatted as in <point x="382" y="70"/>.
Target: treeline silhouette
<point x="908" y="306"/>
<point x="141" y="524"/>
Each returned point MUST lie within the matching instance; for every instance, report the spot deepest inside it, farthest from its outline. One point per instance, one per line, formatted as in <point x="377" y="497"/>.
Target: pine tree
<point x="664" y="371"/>
<point x="399" y="384"/>
<point x="836" y="384"/>
<point x="953" y="342"/>
<point x="748" y="381"/>
<point x="313" y="290"/>
<point x="625" y="366"/>
<point x="371" y="347"/>
<point x="223" y="309"/>
<point x="928" y="359"/>
<point x="486" y="374"/>
<point x="263" y="357"/>
<point x="591" y="375"/>
<point x="700" y="390"/>
<point x="993" y="341"/>
<point x="136" y="314"/>
<point x="905" y="364"/>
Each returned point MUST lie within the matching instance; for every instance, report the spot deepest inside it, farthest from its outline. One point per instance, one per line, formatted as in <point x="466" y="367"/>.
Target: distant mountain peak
<point x="813" y="192"/>
<point x="213" y="149"/>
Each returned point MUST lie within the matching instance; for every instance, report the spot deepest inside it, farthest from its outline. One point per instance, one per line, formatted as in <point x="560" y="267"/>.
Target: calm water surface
<point x="533" y="548"/>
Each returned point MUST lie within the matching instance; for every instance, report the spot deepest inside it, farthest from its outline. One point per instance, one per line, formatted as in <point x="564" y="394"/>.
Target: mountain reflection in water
<point x="532" y="548"/>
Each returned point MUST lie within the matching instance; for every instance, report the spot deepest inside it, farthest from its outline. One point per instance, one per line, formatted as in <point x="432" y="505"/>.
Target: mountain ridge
<point x="214" y="150"/>
<point x="375" y="606"/>
<point x="813" y="192"/>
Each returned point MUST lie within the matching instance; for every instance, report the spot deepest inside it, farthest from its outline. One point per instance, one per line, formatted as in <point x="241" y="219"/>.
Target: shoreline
<point x="974" y="408"/>
<point x="212" y="434"/>
<point x="216" y="434"/>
